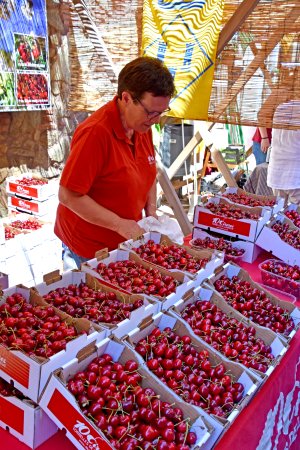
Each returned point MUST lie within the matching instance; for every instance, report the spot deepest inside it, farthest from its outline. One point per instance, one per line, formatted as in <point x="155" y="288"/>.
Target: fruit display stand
<point x="214" y="258"/>
<point x="246" y="229"/>
<point x="169" y="323"/>
<point x="270" y="240"/>
<point x="259" y="423"/>
<point x="250" y="249"/>
<point x="62" y="287"/>
<point x="60" y="404"/>
<point x="180" y="281"/>
<point x="239" y="196"/>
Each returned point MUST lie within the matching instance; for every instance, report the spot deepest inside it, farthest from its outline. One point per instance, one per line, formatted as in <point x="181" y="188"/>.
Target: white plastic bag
<point x="164" y="225"/>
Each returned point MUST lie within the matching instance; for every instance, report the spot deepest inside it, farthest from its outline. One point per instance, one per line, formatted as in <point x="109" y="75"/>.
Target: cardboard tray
<point x="215" y="258"/>
<point x="62" y="408"/>
<point x="251" y="383"/>
<point x="120" y="255"/>
<point x="279" y="201"/>
<point x="272" y="243"/>
<point x="206" y="293"/>
<point x="54" y="281"/>
<point x="230" y="270"/>
<point x="28" y="374"/>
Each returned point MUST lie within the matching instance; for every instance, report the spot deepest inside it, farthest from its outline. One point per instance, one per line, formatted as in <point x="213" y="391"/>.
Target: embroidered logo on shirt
<point x="151" y="160"/>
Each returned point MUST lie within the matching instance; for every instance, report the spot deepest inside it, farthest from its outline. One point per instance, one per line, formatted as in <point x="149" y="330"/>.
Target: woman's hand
<point x="129" y="229"/>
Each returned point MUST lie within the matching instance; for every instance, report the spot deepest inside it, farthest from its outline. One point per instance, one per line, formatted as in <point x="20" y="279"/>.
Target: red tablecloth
<point x="271" y="421"/>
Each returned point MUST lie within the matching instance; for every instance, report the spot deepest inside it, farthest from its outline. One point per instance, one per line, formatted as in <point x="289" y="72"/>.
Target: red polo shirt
<point x="113" y="171"/>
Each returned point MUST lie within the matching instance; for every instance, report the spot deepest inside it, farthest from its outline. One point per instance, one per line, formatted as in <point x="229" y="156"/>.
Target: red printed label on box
<point x="25" y="190"/>
<point x="75" y="423"/>
<point x="14" y="367"/>
<point x="11" y="415"/>
<point x="24" y="204"/>
<point x="223" y="223"/>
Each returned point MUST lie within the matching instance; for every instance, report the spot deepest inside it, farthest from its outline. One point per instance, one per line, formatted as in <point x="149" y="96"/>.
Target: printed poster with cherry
<point x="24" y="65"/>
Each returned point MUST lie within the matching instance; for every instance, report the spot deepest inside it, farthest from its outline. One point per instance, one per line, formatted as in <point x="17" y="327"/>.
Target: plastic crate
<point x="279" y="282"/>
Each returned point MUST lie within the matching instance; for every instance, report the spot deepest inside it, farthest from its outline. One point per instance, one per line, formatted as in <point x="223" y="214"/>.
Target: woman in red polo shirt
<point x="110" y="175"/>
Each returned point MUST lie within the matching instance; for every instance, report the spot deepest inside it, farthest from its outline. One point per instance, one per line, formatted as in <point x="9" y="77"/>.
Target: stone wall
<point x="39" y="140"/>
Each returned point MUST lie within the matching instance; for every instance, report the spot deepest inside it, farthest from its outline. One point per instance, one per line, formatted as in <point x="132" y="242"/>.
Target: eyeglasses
<point x="151" y="114"/>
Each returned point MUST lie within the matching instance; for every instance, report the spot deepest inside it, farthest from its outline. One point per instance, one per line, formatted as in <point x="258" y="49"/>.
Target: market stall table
<point x="270" y="421"/>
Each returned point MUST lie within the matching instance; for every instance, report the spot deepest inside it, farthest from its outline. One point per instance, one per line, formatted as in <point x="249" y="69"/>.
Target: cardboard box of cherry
<point x="128" y="273"/>
<point x="158" y="249"/>
<point x="31" y="187"/>
<point x="253" y="301"/>
<point x="234" y="249"/>
<point x="233" y="336"/>
<point x="238" y="196"/>
<point x="192" y="370"/>
<point x="36" y="339"/>
<point x="282" y="238"/>
<point x="80" y="295"/>
<point x="219" y="215"/>
<point x="105" y="400"/>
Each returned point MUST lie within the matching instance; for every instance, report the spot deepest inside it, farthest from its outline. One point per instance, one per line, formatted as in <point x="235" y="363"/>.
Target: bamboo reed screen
<point x="258" y="69"/>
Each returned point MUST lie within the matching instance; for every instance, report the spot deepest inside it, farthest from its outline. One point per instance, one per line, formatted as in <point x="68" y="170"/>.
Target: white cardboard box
<point x="271" y="242"/>
<point x="37" y="192"/>
<point x="250" y="382"/>
<point x="121" y="255"/>
<point x="30" y="375"/>
<point x="231" y="270"/>
<point x="206" y="293"/>
<point x="26" y="421"/>
<point x="150" y="307"/>
<point x="63" y="409"/>
<point x="215" y="258"/>
<point x="245" y="229"/>
<point x="251" y="249"/>
<point x="279" y="201"/>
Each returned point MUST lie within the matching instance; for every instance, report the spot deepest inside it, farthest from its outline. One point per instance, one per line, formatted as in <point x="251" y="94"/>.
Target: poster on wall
<point x="24" y="62"/>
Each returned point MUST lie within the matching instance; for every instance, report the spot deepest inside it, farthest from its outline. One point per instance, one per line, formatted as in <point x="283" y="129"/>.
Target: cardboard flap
<point x="102" y="254"/>
<point x="86" y="351"/>
<point x="52" y="277"/>
<point x="188" y="294"/>
<point x="145" y="322"/>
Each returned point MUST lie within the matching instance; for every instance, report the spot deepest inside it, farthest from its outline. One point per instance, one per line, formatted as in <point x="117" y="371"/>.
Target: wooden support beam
<point x="234" y="23"/>
<point x="184" y="154"/>
<point x="173" y="199"/>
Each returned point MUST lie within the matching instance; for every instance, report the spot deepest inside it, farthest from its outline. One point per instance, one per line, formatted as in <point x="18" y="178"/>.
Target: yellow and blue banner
<point x="184" y="35"/>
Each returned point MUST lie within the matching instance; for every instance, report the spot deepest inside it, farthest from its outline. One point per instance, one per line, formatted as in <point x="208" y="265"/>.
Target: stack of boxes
<point x="243" y="232"/>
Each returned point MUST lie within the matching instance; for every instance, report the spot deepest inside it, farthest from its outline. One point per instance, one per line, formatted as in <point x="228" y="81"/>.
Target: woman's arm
<point x="89" y="210"/>
<point x="265" y="142"/>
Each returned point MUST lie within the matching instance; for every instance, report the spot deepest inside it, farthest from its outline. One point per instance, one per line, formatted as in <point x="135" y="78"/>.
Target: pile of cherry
<point x="7" y="390"/>
<point x="228" y="335"/>
<point x="37" y="330"/>
<point x="28" y="181"/>
<point x="230" y="211"/>
<point x="254" y="304"/>
<point x="281" y="276"/>
<point x="170" y="257"/>
<point x="294" y="216"/>
<point x="189" y="372"/>
<point x="81" y="301"/>
<point x="219" y="244"/>
<point x="131" y="417"/>
<point x="287" y="234"/>
<point x="10" y="233"/>
<point x="33" y="224"/>
<point x="136" y="279"/>
<point x="248" y="201"/>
